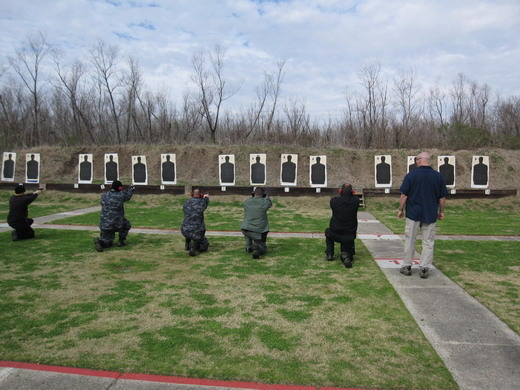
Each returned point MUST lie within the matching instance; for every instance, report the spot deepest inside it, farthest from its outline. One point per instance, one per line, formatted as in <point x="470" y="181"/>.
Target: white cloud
<point x="325" y="42"/>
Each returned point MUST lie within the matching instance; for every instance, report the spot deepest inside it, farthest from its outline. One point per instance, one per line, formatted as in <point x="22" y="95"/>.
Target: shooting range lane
<point x="479" y="349"/>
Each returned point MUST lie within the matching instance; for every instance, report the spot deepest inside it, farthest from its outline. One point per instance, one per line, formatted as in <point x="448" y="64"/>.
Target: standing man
<point x="343" y="225"/>
<point x="193" y="228"/>
<point x="255" y="225"/>
<point x="423" y="192"/>
<point x="19" y="212"/>
<point x="112" y="216"/>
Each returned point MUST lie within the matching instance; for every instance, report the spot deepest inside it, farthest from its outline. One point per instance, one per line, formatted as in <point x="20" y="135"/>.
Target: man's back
<point x="344" y="213"/>
<point x="18" y="207"/>
<point x="194" y="214"/>
<point x="424" y="187"/>
<point x="112" y="209"/>
<point x="255" y="214"/>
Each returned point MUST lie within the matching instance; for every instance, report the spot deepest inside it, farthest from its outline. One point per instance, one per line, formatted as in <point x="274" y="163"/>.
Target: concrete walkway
<point x="481" y="351"/>
<point x="477" y="347"/>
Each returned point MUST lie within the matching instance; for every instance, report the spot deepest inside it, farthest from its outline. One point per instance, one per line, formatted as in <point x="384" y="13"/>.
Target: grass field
<point x="50" y="202"/>
<point x="489" y="271"/>
<point x="290" y="318"/>
<point x="463" y="216"/>
<point x="305" y="214"/>
<point x="149" y="307"/>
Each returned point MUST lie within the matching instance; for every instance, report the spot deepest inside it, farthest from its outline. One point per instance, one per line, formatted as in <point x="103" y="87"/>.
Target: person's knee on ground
<point x="204" y="245"/>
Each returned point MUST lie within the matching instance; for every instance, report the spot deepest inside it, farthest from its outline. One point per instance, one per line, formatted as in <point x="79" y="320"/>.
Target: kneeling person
<point x="255" y="225"/>
<point x="193" y="228"/>
<point x="112" y="216"/>
<point x="343" y="225"/>
<point x="19" y="212"/>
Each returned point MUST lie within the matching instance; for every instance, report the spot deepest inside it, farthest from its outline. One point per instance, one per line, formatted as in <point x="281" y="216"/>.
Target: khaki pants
<point x="411" y="230"/>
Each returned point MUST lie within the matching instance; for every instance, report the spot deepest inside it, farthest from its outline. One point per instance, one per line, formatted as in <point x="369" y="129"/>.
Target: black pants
<point x="346" y="242"/>
<point x="23" y="229"/>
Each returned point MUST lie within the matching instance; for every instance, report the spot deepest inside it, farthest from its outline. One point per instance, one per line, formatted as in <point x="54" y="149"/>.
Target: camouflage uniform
<point x="112" y="216"/>
<point x="193" y="228"/>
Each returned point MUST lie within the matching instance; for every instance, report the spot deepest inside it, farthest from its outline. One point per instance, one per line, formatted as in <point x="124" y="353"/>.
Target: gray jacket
<point x="255" y="214"/>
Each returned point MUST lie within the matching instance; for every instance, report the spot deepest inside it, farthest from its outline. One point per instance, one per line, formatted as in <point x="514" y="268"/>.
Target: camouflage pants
<point x="199" y="238"/>
<point x="106" y="237"/>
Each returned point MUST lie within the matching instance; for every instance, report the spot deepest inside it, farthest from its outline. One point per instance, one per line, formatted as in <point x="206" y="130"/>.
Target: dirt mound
<point x="198" y="165"/>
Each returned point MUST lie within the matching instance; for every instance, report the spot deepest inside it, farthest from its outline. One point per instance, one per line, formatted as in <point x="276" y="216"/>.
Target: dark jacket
<point x="19" y="208"/>
<point x="112" y="214"/>
<point x="424" y="187"/>
<point x="194" y="215"/>
<point x="344" y="214"/>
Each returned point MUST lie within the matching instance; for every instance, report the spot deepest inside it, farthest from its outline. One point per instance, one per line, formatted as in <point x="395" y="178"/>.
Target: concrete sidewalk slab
<point x="481" y="351"/>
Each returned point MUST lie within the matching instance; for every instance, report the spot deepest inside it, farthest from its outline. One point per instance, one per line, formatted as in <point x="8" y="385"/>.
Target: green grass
<point x="291" y="317"/>
<point x="492" y="279"/>
<point x="463" y="216"/>
<point x="224" y="213"/>
<point x="50" y="202"/>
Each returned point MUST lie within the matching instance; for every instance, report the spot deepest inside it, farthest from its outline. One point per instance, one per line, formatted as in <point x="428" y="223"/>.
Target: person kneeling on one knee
<point x="112" y="216"/>
<point x="193" y="228"/>
<point x="343" y="225"/>
<point x="19" y="211"/>
<point x="255" y="225"/>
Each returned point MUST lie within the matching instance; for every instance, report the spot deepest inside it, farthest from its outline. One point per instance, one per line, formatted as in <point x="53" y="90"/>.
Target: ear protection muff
<point x="341" y="190"/>
<point x="264" y="194"/>
<point x="200" y="195"/>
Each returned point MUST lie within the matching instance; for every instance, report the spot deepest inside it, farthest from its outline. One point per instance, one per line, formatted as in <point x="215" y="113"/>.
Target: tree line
<point x="103" y="100"/>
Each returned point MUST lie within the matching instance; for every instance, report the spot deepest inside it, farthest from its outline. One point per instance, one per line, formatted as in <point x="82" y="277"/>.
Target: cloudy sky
<point x="324" y="42"/>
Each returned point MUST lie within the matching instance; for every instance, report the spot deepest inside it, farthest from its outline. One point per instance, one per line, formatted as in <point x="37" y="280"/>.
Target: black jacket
<point x="344" y="214"/>
<point x="18" y="207"/>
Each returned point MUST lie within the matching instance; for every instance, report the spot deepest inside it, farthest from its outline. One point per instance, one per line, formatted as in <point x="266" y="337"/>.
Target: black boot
<point x="346" y="259"/>
<point x="99" y="246"/>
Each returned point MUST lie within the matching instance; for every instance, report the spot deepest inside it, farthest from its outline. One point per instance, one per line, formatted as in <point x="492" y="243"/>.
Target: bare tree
<point x="298" y="121"/>
<point x="70" y="84"/>
<point x="274" y="88"/>
<point x="437" y="105"/>
<point x="372" y="105"/>
<point x="105" y="60"/>
<point x="459" y="99"/>
<point x="133" y="83"/>
<point x="212" y="89"/>
<point x="27" y="63"/>
<point x="405" y="91"/>
<point x="479" y="96"/>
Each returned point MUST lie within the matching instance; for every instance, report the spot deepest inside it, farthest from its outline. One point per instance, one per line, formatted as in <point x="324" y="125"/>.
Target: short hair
<point x="346" y="188"/>
<point x="195" y="192"/>
<point x="259" y="191"/>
